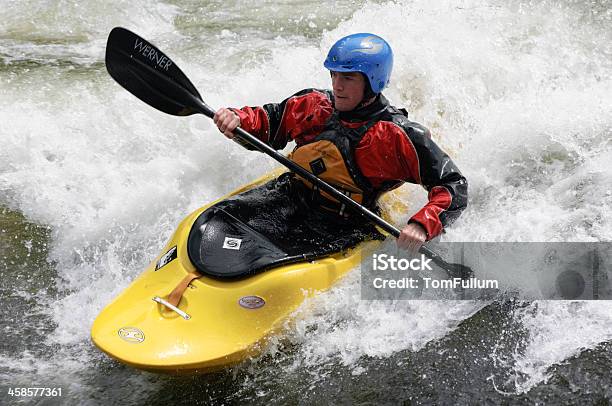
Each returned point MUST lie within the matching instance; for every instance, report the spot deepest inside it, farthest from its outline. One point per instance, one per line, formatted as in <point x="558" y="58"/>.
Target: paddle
<point x="150" y="75"/>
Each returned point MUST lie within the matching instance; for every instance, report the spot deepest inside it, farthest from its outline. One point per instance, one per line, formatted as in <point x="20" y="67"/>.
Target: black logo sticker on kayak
<point x="231" y="243"/>
<point x="166" y="258"/>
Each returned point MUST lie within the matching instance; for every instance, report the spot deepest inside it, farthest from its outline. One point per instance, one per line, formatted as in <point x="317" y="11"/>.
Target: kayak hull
<point x="226" y="321"/>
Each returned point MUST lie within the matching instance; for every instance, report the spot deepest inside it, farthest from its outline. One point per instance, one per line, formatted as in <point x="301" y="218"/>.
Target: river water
<point x="93" y="182"/>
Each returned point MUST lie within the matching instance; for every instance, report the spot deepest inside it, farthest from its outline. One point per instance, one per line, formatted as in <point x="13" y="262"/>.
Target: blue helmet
<point x="365" y="53"/>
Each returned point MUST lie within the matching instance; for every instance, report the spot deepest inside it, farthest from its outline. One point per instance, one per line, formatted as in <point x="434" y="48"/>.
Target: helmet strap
<point x="365" y="102"/>
<point x="368" y="93"/>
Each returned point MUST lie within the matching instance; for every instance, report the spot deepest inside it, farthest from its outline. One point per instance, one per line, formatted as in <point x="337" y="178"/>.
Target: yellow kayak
<point x="247" y="284"/>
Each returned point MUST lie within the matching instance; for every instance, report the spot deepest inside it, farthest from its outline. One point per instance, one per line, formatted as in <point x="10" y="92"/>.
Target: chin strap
<point x="366" y="101"/>
<point x="368" y="93"/>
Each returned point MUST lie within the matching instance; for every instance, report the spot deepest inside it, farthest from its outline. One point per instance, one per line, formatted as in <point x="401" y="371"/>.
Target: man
<point x="354" y="139"/>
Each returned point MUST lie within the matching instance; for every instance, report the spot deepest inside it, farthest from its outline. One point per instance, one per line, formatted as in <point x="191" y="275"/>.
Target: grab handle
<point x="171" y="307"/>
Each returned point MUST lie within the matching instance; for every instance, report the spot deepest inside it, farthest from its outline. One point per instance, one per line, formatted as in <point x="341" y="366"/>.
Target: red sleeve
<point x="254" y="120"/>
<point x="429" y="216"/>
<point x="304" y="116"/>
<point x="439" y="197"/>
<point x="298" y="117"/>
<point x="390" y="153"/>
<point x="386" y="154"/>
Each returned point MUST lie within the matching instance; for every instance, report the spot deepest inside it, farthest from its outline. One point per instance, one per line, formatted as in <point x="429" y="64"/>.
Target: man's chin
<point x="342" y="107"/>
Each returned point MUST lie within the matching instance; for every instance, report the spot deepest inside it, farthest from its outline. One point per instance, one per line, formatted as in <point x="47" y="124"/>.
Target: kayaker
<point x="354" y="139"/>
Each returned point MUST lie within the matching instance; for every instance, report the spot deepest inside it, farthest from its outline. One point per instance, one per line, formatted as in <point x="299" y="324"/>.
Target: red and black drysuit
<point x="380" y="147"/>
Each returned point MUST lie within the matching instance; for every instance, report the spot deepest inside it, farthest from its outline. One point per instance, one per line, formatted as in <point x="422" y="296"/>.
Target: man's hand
<point x="226" y="121"/>
<point x="412" y="237"/>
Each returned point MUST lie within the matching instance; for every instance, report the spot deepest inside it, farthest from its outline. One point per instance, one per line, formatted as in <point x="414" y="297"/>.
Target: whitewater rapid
<point x="518" y="93"/>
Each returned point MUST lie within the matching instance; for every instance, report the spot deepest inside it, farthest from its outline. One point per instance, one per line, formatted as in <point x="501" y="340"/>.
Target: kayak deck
<point x="266" y="227"/>
<point x="227" y="320"/>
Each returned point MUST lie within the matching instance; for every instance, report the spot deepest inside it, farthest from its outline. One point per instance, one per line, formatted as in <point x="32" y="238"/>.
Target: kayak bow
<point x="217" y="323"/>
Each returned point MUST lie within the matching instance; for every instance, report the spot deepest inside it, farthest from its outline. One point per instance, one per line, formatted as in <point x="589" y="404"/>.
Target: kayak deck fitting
<point x="259" y="255"/>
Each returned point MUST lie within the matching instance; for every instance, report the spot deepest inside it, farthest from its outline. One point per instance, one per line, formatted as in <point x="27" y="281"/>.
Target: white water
<point x="518" y="94"/>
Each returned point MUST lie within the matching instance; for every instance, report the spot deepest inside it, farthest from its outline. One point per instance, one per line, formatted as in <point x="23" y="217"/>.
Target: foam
<point x="518" y="94"/>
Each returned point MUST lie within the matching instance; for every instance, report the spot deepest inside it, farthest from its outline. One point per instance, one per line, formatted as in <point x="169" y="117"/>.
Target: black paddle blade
<point x="452" y="270"/>
<point x="150" y="75"/>
<point x="459" y="271"/>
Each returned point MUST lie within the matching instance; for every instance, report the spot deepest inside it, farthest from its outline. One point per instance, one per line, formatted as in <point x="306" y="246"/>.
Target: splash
<point x="518" y="93"/>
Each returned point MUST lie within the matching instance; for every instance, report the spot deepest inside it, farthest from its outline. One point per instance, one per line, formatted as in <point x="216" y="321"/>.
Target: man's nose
<point x="337" y="84"/>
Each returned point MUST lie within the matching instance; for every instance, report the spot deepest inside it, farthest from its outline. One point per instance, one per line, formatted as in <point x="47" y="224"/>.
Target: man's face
<point x="348" y="88"/>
